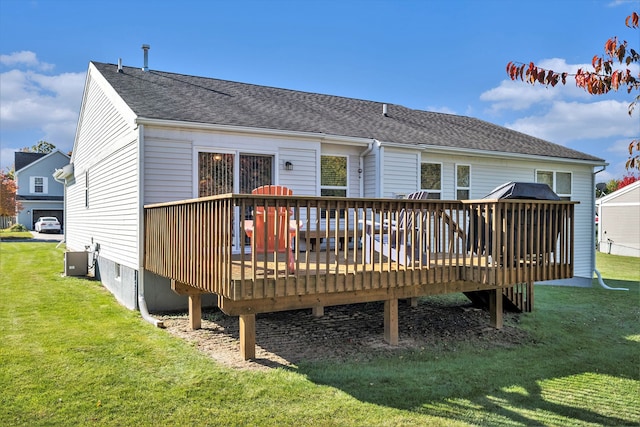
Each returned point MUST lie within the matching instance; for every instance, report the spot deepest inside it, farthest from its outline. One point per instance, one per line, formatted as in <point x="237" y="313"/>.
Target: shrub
<point x="18" y="227"/>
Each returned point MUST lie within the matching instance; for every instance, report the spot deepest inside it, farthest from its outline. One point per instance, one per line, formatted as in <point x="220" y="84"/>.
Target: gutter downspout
<point x="593" y="257"/>
<point x="379" y="162"/>
<point x="142" y="304"/>
<point x="361" y="166"/>
<point x="64" y="206"/>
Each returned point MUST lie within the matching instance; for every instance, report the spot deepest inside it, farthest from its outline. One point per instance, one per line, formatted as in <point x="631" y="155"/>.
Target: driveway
<point x="49" y="237"/>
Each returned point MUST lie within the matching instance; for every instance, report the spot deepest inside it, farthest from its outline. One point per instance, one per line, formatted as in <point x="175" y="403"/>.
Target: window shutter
<point x="32" y="184"/>
<point x="45" y="185"/>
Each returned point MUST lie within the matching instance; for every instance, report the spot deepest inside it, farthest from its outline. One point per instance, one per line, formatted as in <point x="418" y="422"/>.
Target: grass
<point x="7" y="234"/>
<point x="71" y="355"/>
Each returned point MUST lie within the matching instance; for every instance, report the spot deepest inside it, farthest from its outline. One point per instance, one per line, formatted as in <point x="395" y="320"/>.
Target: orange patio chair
<point x="271" y="227"/>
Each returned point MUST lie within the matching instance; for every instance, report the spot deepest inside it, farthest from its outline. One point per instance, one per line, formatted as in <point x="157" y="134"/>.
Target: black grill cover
<point x="523" y="190"/>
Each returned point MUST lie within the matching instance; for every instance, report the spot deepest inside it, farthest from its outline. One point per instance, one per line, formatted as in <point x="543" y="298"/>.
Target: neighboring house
<point x="619" y="221"/>
<point x="148" y="136"/>
<point x="38" y="192"/>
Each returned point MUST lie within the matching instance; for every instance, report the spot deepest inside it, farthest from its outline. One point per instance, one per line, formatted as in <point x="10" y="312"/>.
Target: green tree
<point x="40" y="147"/>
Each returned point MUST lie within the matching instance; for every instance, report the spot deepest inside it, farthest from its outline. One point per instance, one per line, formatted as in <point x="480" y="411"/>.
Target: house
<point x="147" y="137"/>
<point x="38" y="192"/>
<point x="619" y="221"/>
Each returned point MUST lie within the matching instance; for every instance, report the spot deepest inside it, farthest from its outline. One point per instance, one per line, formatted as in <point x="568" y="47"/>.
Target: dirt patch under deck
<point x="350" y="332"/>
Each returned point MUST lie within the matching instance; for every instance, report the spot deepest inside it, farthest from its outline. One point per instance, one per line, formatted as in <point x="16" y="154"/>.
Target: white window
<point x="431" y="179"/>
<point x="333" y="179"/>
<point x="463" y="182"/>
<point x="560" y="182"/>
<point x="38" y="185"/>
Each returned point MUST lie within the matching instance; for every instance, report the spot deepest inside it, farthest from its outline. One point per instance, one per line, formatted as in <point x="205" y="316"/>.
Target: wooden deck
<point x="452" y="246"/>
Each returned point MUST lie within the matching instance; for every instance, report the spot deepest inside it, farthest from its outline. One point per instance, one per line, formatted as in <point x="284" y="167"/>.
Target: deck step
<point x="481" y="299"/>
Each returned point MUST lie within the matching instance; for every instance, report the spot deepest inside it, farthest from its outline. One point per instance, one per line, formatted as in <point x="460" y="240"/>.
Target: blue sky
<point x="448" y="56"/>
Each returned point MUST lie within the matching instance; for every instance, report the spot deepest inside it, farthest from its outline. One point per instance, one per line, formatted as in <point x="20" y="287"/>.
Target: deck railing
<point x="332" y="244"/>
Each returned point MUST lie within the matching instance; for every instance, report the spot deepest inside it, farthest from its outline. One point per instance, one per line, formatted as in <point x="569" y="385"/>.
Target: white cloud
<point x="30" y="100"/>
<point x="517" y="95"/>
<point x="36" y="104"/>
<point x="572" y="121"/>
<point x="24" y="58"/>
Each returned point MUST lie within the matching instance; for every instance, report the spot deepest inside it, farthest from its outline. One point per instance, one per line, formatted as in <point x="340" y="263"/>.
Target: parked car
<point x="48" y="224"/>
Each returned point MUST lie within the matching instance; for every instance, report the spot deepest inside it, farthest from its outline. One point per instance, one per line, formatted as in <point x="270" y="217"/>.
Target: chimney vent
<point x="384" y="110"/>
<point x="120" y="65"/>
<point x="146" y="48"/>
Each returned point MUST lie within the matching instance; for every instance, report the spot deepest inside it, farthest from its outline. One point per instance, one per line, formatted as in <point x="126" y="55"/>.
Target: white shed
<point x="619" y="221"/>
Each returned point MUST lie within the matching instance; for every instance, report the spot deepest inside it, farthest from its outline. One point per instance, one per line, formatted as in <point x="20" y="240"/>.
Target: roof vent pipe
<point x="384" y="110"/>
<point x="120" y="65"/>
<point x="146" y="48"/>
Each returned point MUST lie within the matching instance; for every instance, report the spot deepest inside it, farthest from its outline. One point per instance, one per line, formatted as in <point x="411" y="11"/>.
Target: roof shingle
<point x="169" y="96"/>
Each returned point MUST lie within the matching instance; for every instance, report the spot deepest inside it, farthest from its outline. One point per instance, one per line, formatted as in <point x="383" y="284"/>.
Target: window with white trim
<point x="431" y="179"/>
<point x="560" y="182"/>
<point x="333" y="178"/>
<point x="38" y="185"/>
<point x="463" y="182"/>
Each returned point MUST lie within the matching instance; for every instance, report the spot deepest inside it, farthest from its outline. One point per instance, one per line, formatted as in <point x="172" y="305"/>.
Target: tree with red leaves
<point x="626" y="180"/>
<point x="8" y="187"/>
<point x="603" y="79"/>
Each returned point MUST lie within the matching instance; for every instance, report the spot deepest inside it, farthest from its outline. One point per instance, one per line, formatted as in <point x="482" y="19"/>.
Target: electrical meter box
<point x="76" y="263"/>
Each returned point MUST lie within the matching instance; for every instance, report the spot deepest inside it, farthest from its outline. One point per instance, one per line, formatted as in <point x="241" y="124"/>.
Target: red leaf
<point x="615" y="80"/>
<point x="550" y="76"/>
<point x="621" y="53"/>
<point x="610" y="46"/>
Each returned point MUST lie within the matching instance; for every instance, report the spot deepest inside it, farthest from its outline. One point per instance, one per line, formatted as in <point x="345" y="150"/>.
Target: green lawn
<point x="71" y="355"/>
<point x="7" y="234"/>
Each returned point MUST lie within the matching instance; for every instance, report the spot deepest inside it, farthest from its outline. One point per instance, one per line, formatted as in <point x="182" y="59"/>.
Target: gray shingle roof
<point x="169" y="96"/>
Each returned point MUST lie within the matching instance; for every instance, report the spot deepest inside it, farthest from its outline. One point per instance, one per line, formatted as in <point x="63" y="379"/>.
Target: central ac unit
<point x="76" y="263"/>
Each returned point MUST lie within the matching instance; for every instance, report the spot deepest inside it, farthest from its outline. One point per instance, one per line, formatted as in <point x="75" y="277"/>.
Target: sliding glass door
<point x="221" y="173"/>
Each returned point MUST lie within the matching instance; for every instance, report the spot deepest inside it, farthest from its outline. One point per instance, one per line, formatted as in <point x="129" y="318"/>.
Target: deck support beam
<point x="195" y="311"/>
<point x="495" y="308"/>
<point x="391" y="321"/>
<point x="248" y="336"/>
<point x="195" y="302"/>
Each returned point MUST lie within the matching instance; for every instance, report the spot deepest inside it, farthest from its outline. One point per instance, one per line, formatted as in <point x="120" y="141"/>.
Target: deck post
<point x="248" y="336"/>
<point x="495" y="308"/>
<point x="391" y="321"/>
<point x="317" y="311"/>
<point x="413" y="302"/>
<point x="195" y="311"/>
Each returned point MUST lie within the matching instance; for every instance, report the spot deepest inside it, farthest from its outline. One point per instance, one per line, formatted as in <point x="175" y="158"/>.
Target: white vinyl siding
<point x="401" y="172"/>
<point x="167" y="170"/>
<point x="302" y="178"/>
<point x="107" y="148"/>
